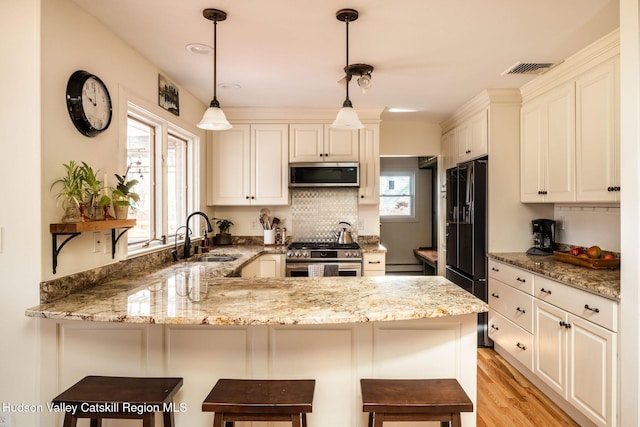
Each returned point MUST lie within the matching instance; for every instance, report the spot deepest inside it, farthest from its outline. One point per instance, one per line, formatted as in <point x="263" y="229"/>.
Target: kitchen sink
<point x="216" y="258"/>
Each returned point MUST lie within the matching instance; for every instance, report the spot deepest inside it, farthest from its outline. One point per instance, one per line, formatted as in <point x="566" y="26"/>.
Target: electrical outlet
<point x="254" y="225"/>
<point x="5" y="420"/>
<point x="106" y="238"/>
<point x="560" y="223"/>
<point x="98" y="242"/>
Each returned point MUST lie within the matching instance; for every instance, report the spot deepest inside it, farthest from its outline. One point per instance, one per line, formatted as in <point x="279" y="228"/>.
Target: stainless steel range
<point x="346" y="256"/>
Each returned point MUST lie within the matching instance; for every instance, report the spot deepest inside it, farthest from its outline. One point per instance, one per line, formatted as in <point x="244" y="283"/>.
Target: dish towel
<point x="321" y="270"/>
<point x="316" y="270"/>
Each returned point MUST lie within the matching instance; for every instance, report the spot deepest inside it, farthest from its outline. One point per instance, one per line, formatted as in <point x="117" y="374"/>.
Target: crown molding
<point x="483" y="100"/>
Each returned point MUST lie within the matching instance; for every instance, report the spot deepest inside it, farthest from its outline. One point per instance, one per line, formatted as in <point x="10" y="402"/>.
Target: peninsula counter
<point x="186" y="320"/>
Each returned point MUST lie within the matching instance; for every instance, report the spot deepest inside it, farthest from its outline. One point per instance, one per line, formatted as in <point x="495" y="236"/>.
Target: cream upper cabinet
<point x="369" y="191"/>
<point x="248" y="166"/>
<point x="321" y="143"/>
<point x="597" y="134"/>
<point x="548" y="147"/>
<point x="471" y="137"/>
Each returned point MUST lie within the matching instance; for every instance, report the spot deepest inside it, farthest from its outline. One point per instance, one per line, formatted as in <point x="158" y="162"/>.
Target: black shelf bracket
<point x="56" y="248"/>
<point x="114" y="240"/>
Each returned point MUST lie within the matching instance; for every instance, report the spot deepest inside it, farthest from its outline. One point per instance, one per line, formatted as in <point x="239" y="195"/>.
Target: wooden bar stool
<point x="260" y="400"/>
<point x="414" y="400"/>
<point x="97" y="397"/>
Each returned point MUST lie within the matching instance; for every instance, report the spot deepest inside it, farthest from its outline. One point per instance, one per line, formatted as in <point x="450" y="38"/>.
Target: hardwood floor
<point x="506" y="398"/>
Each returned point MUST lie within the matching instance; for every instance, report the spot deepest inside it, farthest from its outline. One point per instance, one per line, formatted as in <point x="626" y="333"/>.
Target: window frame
<point x="163" y="128"/>
<point x="399" y="218"/>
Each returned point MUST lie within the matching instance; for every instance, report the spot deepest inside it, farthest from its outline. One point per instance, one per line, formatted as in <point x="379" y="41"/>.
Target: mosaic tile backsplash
<point x="316" y="212"/>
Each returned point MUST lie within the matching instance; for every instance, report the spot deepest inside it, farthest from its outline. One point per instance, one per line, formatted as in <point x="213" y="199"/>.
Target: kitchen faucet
<point x="187" y="241"/>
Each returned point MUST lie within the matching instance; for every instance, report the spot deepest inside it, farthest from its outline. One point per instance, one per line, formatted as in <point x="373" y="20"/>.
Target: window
<point x="397" y="194"/>
<point x="160" y="156"/>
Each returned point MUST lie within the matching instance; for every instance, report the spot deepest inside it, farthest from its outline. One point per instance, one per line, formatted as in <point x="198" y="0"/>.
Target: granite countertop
<point x="189" y="292"/>
<point x="604" y="282"/>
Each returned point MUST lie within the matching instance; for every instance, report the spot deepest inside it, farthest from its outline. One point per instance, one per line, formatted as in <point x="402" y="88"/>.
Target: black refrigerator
<point x="466" y="233"/>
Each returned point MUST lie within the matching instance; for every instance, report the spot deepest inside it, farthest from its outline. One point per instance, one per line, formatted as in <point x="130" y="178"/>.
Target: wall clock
<point x="88" y="103"/>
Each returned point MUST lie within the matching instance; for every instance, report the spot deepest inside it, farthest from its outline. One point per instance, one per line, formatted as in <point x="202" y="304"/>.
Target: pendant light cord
<point x="214" y="102"/>
<point x="347" y="101"/>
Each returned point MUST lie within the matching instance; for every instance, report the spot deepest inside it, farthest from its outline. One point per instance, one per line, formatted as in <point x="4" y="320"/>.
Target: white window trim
<point x="131" y="104"/>
<point x="396" y="218"/>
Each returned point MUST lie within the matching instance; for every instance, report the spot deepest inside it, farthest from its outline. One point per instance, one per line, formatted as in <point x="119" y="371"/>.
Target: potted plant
<point x="222" y="238"/>
<point x="123" y="196"/>
<point x="71" y="191"/>
<point x="92" y="187"/>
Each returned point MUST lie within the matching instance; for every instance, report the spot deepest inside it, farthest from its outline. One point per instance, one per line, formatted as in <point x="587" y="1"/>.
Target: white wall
<point x="73" y="40"/>
<point x="20" y="214"/>
<point x="630" y="210"/>
<point x="407" y="134"/>
<point x="588" y="225"/>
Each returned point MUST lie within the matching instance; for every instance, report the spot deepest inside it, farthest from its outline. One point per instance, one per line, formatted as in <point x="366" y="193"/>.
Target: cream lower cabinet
<point x="577" y="359"/>
<point x="564" y="336"/>
<point x="267" y="265"/>
<point x="373" y="264"/>
<point x="247" y="165"/>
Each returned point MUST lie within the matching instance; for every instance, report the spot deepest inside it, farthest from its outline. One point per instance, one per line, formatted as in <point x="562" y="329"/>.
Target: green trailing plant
<point x="71" y="185"/>
<point x="123" y="195"/>
<point x="92" y="187"/>
<point x="223" y="224"/>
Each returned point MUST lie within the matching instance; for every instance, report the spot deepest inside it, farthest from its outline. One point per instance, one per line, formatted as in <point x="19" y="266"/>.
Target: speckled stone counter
<point x="605" y="283"/>
<point x="194" y="293"/>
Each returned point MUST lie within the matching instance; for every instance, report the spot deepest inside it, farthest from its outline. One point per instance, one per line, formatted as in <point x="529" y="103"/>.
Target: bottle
<point x="283" y="236"/>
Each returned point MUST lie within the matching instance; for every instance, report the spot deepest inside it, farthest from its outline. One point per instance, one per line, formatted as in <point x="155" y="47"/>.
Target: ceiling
<point x="429" y="56"/>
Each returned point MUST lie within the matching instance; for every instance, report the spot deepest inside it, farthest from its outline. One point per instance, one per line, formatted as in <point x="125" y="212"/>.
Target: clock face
<point x="88" y="103"/>
<point x="96" y="104"/>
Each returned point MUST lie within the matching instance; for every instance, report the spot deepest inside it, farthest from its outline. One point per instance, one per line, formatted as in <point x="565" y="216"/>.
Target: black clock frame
<point x="76" y="108"/>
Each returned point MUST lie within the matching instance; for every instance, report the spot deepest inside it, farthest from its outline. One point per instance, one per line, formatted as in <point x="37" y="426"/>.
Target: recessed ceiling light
<point x="401" y="110"/>
<point x="229" y="86"/>
<point x="199" y="48"/>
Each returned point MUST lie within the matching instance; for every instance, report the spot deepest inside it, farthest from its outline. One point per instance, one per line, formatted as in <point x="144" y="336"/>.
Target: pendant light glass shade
<point x="214" y="118"/>
<point x="347" y="117"/>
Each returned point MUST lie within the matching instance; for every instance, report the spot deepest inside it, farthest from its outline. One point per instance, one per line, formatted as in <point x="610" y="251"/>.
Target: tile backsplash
<point x="315" y="213"/>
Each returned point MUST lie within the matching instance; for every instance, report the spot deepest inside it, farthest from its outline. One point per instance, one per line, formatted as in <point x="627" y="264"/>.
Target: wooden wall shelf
<point x="73" y="229"/>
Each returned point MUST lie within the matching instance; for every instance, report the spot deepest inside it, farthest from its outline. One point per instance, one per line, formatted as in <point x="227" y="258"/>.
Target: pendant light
<point x="347" y="117"/>
<point x="214" y="118"/>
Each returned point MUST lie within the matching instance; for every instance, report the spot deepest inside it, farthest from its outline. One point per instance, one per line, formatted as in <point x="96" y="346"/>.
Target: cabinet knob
<point x="544" y="291"/>
<point x="493" y="294"/>
<point x="520" y="310"/>
<point x="253" y="197"/>
<point x="321" y="155"/>
<point x="609" y="188"/>
<point x="520" y="280"/>
<point x="495" y="328"/>
<point x="247" y="197"/>
<point x="362" y="196"/>
<point x="520" y="346"/>
<point x="495" y="269"/>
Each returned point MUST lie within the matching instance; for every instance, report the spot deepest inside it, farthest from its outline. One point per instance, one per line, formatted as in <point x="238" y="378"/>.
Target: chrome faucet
<point x="187" y="240"/>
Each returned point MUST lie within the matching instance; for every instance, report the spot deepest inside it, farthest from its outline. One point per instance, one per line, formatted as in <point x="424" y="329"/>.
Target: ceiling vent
<point x="536" y="68"/>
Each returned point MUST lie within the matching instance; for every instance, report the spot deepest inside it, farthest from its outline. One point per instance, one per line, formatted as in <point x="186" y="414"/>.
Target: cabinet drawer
<point x="596" y="309"/>
<point x="512" y="338"/>
<point x="373" y="261"/>
<point x="512" y="304"/>
<point x="513" y="276"/>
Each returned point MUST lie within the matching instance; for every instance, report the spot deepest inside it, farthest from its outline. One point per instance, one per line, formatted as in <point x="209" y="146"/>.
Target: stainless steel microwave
<point x="324" y="175"/>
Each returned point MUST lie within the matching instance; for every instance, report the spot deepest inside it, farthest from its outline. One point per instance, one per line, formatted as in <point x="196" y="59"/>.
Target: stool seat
<point x="414" y="400"/>
<point x="98" y="397"/>
<point x="260" y="400"/>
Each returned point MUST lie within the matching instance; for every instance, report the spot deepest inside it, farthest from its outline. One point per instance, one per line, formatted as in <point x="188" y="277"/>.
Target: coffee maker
<point x="543" y="234"/>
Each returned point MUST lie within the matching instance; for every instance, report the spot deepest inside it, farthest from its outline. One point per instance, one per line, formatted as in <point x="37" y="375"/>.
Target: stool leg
<point x="95" y="422"/>
<point x="295" y="420"/>
<point x="168" y="419"/>
<point x="70" y="420"/>
<point x="370" y="419"/>
<point x="304" y="419"/>
<point x="378" y="420"/>
<point x="455" y="420"/>
<point x="149" y="420"/>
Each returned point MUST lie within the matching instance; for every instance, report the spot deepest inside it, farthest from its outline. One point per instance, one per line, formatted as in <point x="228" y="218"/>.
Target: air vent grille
<point x="530" y="68"/>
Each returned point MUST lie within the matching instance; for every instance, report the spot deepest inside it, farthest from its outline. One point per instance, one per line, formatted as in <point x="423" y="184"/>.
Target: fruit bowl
<point x="596" y="263"/>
